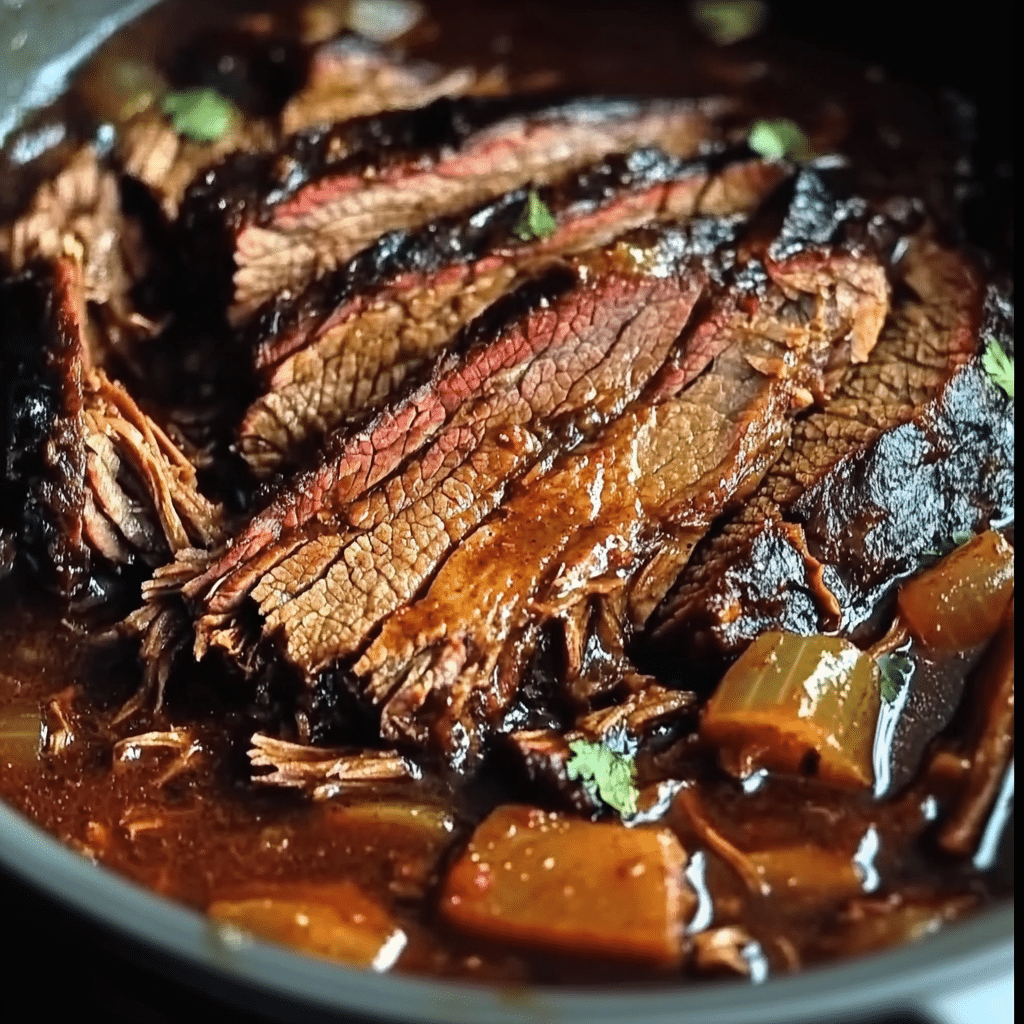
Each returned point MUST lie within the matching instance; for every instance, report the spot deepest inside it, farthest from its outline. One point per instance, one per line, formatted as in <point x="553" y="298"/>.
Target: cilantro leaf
<point x="999" y="366"/>
<point x="728" y="21"/>
<point x="605" y="774"/>
<point x="896" y="671"/>
<point x="199" y="114"/>
<point x="775" y="139"/>
<point x="536" y="221"/>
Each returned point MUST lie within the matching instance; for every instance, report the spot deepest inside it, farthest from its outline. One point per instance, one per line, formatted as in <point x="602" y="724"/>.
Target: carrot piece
<point x="798" y="704"/>
<point x="960" y="601"/>
<point x="590" y="888"/>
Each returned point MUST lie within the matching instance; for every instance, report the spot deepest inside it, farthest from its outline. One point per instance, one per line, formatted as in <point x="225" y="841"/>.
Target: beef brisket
<point x="355" y="335"/>
<point x="351" y="77"/>
<point x="576" y="441"/>
<point x="445" y="669"/>
<point x="278" y="220"/>
<point x="90" y="481"/>
<point x="867" y="484"/>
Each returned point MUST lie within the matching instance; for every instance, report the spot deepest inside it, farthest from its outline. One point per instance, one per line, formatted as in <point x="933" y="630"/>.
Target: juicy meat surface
<point x="329" y="192"/>
<point x="352" y="338"/>
<point x="865" y="476"/>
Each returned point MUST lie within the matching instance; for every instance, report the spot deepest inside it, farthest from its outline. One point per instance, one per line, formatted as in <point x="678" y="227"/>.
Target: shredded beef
<point x="276" y="221"/>
<point x="79" y="213"/>
<point x="93" y="483"/>
<point x="354" y="336"/>
<point x="915" y="446"/>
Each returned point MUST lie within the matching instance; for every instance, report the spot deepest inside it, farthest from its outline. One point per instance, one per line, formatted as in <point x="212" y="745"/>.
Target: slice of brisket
<point x="355" y="335"/>
<point x="348" y="77"/>
<point x="445" y="669"/>
<point x="90" y="482"/>
<point x="277" y="221"/>
<point x="352" y="77"/>
<point x="915" y="446"/>
<point x="79" y="212"/>
<point x="584" y="429"/>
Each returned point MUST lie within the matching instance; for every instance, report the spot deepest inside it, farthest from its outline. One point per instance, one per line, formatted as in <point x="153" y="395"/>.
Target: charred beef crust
<point x="44" y="451"/>
<point x="44" y="455"/>
<point x="948" y="472"/>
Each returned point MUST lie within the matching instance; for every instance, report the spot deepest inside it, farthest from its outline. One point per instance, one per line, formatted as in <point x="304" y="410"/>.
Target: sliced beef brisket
<point x="866" y="485"/>
<point x="577" y="441"/>
<point x="91" y="483"/>
<point x="445" y="669"/>
<point x="277" y="221"/>
<point x="355" y="335"/>
<point x="352" y="77"/>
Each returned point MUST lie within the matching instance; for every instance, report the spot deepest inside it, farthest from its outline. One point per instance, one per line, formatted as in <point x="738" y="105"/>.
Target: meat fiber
<point x="91" y="484"/>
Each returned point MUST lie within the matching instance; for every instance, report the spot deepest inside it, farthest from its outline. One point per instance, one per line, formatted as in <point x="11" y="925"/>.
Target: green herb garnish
<point x="776" y="139"/>
<point x="199" y="114"/>
<point x="728" y="21"/>
<point x="896" y="670"/>
<point x="536" y="221"/>
<point x="605" y="774"/>
<point x="999" y="366"/>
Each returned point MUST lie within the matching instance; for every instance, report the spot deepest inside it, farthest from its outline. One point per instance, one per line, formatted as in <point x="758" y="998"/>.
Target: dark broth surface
<point x="193" y="830"/>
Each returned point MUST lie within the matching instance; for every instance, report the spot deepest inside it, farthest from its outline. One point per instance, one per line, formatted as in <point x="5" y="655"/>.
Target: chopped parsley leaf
<point x="999" y="366"/>
<point x="896" y="670"/>
<point x="199" y="114"/>
<point x="605" y="774"/>
<point x="536" y="221"/>
<point x="729" y="21"/>
<point x="779" y="138"/>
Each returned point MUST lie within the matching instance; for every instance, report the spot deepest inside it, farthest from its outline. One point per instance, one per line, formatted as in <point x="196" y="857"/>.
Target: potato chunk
<point x="330" y="919"/>
<point x="544" y="879"/>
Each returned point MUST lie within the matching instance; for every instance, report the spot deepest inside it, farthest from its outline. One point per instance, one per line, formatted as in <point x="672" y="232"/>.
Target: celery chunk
<point x="798" y="704"/>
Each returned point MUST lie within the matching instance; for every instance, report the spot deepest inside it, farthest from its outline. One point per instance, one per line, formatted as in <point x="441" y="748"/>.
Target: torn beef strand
<point x="274" y="221"/>
<point x="916" y="447"/>
<point x="356" y="334"/>
<point x="101" y="486"/>
<point x="574" y="394"/>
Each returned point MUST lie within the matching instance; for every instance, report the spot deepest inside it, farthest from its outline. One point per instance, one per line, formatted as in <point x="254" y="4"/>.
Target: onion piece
<point x="960" y="601"/>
